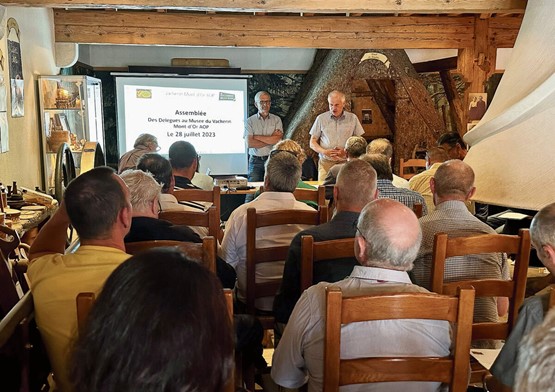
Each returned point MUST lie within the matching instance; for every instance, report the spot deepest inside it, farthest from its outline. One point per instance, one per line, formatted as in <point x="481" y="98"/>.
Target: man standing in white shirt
<point x="330" y="132"/>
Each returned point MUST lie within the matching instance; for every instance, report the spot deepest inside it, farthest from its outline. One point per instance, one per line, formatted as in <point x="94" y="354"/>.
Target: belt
<point x="260" y="158"/>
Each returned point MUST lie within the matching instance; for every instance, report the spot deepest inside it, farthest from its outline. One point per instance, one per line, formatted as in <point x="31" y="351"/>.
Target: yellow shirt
<point x="56" y="280"/>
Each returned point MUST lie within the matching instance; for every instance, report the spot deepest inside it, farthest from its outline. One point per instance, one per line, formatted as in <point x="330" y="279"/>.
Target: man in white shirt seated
<point x="283" y="172"/>
<point x="386" y="244"/>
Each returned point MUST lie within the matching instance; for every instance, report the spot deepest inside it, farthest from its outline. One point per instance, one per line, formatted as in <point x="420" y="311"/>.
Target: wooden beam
<point x="455" y="102"/>
<point x="436" y="65"/>
<point x="296" y="6"/>
<point x="378" y="32"/>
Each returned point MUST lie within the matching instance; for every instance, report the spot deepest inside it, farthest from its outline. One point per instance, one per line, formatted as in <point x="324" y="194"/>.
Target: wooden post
<point x="477" y="64"/>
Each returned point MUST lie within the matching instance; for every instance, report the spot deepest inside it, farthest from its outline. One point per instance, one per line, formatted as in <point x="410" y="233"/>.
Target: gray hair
<point x="542" y="228"/>
<point x="339" y="94"/>
<point x="453" y="178"/>
<point x="259" y="94"/>
<point x="283" y="172"/>
<point x="143" y="188"/>
<point x="144" y="139"/>
<point x="536" y="358"/>
<point x="355" y="146"/>
<point x="392" y="234"/>
<point x="380" y="146"/>
<point x="380" y="163"/>
<point x="357" y="183"/>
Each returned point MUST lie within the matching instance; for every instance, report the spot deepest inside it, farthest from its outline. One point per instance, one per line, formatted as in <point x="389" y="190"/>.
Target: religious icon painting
<point x="16" y="69"/>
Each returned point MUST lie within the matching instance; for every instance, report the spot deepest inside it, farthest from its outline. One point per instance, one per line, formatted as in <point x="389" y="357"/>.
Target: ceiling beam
<point x="296" y="6"/>
<point x="154" y="28"/>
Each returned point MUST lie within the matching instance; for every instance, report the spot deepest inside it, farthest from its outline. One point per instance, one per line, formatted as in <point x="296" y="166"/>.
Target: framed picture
<point x="367" y="116"/>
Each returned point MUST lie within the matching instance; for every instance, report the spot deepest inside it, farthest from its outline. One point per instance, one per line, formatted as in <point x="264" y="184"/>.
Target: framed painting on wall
<point x="16" y="69"/>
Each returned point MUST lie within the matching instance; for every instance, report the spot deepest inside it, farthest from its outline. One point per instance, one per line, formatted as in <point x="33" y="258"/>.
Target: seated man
<point x="420" y="183"/>
<point x="542" y="231"/>
<point x="355" y="146"/>
<point x="185" y="161"/>
<point x="356" y="186"/>
<point x="383" y="146"/>
<point x="97" y="204"/>
<point x="144" y="144"/>
<point x="162" y="172"/>
<point x="145" y="199"/>
<point x="146" y="226"/>
<point x="386" y="189"/>
<point x="387" y="242"/>
<point x="452" y="186"/>
<point x="283" y="172"/>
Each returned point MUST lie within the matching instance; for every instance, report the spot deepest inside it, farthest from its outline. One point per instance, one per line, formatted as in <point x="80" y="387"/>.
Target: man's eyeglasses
<point x="274" y="152"/>
<point x="262" y="103"/>
<point x="359" y="231"/>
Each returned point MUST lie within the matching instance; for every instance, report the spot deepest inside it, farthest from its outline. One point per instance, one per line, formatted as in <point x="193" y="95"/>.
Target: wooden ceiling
<point x="392" y="24"/>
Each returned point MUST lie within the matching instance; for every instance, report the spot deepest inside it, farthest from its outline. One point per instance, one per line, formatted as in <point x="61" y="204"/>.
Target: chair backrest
<point x="212" y="196"/>
<point x="452" y="370"/>
<point x="417" y="209"/>
<point x="312" y="252"/>
<point x="256" y="255"/>
<point x="408" y="168"/>
<point x="203" y="253"/>
<point x="209" y="218"/>
<point x="84" y="303"/>
<point x="317" y="195"/>
<point x="519" y="245"/>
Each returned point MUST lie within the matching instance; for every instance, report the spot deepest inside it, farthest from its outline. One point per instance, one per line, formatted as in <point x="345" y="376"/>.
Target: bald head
<point x="355" y="186"/>
<point x="542" y="231"/>
<point x="389" y="235"/>
<point x="454" y="180"/>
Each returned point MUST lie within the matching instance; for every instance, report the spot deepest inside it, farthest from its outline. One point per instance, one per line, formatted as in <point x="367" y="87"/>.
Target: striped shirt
<point x="452" y="217"/>
<point x="386" y="190"/>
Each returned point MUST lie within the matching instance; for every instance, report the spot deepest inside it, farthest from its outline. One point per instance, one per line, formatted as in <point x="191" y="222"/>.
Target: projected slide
<point x="212" y="120"/>
<point x="208" y="112"/>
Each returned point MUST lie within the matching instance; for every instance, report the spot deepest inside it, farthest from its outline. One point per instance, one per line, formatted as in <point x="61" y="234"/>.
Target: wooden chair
<point x="514" y="289"/>
<point x="20" y="341"/>
<point x="317" y="195"/>
<point x="409" y="168"/>
<point x="519" y="245"/>
<point x="84" y="303"/>
<point x="417" y="209"/>
<point x="257" y="255"/>
<point x="212" y="196"/>
<point x="203" y="253"/>
<point x="209" y="218"/>
<point x="452" y="370"/>
<point x="312" y="252"/>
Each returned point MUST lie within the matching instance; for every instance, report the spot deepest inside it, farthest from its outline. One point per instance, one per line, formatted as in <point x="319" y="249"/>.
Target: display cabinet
<point x="72" y="128"/>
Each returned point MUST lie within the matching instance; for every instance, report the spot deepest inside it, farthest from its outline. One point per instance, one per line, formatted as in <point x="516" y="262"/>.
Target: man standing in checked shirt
<point x="330" y="132"/>
<point x="263" y="130"/>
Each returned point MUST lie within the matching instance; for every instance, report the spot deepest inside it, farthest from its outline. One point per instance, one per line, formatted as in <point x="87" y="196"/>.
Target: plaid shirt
<point x="453" y="218"/>
<point x="388" y="191"/>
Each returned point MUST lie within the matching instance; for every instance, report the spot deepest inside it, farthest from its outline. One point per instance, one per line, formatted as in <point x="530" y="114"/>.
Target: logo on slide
<point x="144" y="93"/>
<point x="227" y="97"/>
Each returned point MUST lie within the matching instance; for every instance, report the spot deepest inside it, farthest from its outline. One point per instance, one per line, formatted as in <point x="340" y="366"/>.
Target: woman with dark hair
<point x="159" y="324"/>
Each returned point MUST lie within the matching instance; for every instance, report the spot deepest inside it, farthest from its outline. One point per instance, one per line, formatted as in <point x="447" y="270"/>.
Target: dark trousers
<point x="256" y="171"/>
